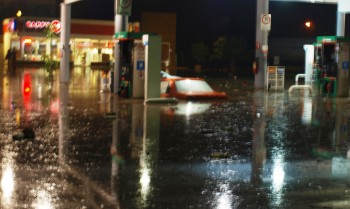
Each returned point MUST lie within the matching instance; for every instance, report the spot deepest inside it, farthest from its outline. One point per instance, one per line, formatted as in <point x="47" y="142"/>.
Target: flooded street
<point x="258" y="149"/>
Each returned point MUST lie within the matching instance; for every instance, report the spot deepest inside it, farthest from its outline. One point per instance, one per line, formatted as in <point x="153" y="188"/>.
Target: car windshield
<point x="192" y="86"/>
<point x="164" y="87"/>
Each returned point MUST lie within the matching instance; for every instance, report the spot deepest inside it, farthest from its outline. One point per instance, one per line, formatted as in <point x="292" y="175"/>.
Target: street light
<point x="309" y="28"/>
<point x="19" y="13"/>
<point x="308" y="24"/>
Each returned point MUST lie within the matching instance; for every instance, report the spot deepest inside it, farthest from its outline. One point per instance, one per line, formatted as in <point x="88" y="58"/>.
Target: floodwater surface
<point x="92" y="149"/>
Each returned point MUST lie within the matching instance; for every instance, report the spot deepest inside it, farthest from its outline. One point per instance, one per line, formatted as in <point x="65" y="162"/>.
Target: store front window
<point x="87" y="52"/>
<point x="30" y="38"/>
<point x="34" y="48"/>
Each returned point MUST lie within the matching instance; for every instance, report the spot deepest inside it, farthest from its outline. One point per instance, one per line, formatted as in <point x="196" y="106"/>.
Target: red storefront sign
<point x="39" y="25"/>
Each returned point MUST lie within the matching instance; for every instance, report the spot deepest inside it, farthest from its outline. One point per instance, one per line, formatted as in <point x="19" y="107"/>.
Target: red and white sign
<point x="265" y="22"/>
<point x="38" y="25"/>
<point x="56" y="26"/>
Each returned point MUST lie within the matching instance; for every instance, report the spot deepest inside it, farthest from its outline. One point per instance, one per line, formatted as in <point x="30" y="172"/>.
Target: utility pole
<point x="261" y="49"/>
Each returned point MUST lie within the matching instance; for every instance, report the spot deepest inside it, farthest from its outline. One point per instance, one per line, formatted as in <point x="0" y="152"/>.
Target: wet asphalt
<point x="92" y="149"/>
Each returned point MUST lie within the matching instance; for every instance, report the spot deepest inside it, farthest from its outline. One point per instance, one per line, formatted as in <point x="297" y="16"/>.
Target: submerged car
<point x="188" y="89"/>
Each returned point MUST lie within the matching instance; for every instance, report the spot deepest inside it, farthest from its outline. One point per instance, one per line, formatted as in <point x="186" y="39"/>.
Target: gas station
<point x="142" y="52"/>
<point x="137" y="58"/>
<point x="140" y="64"/>
<point x="327" y="65"/>
<point x="326" y="60"/>
<point x="331" y="65"/>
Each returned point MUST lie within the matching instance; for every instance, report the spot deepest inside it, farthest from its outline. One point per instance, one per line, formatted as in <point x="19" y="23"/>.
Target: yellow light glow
<point x="27" y="90"/>
<point x="27" y="41"/>
<point x="7" y="179"/>
<point x="7" y="185"/>
<point x="308" y="24"/>
<point x="19" y="13"/>
<point x="43" y="201"/>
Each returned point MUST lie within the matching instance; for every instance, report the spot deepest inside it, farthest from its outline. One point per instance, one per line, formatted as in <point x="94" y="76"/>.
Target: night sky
<point x="205" y="20"/>
<point x="208" y="17"/>
<point x="200" y="20"/>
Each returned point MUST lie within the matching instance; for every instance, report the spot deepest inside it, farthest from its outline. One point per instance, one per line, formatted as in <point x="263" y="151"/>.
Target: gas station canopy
<point x="312" y="1"/>
<point x="127" y="35"/>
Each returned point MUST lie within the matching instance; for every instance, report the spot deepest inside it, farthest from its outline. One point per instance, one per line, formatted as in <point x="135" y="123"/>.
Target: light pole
<point x="65" y="38"/>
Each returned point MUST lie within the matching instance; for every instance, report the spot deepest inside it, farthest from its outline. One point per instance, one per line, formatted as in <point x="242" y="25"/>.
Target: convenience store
<point x="91" y="40"/>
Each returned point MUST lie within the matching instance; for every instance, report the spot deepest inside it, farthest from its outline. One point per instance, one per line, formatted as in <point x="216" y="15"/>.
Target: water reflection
<point x="258" y="145"/>
<point x="306" y="111"/>
<point x="266" y="107"/>
<point x="150" y="149"/>
<point x="43" y="200"/>
<point x="250" y="152"/>
<point x="63" y="122"/>
<point x="224" y="197"/>
<point x="30" y="171"/>
<point x="278" y="175"/>
<point x="191" y="108"/>
<point x="7" y="179"/>
<point x="115" y="152"/>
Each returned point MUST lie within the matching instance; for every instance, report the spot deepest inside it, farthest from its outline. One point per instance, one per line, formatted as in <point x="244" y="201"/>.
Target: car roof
<point x="183" y="78"/>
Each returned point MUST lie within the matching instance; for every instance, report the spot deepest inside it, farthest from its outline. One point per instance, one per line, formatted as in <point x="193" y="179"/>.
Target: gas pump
<point x="333" y="65"/>
<point x="139" y="73"/>
<point x="131" y="56"/>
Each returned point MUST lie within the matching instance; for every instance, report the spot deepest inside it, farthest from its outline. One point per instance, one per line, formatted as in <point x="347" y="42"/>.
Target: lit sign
<point x="27" y="41"/>
<point x="38" y="25"/>
<point x="12" y="26"/>
<point x="56" y="26"/>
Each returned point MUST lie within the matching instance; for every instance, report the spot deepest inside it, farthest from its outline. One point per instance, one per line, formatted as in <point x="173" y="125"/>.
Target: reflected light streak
<point x="306" y="118"/>
<point x="18" y="117"/>
<point x="224" y="202"/>
<point x="278" y="180"/>
<point x="189" y="109"/>
<point x="145" y="174"/>
<point x="277" y="176"/>
<point x="7" y="186"/>
<point x="43" y="201"/>
<point x="145" y="182"/>
<point x="7" y="179"/>
<point x="54" y="106"/>
<point x="224" y="199"/>
<point x="5" y="89"/>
